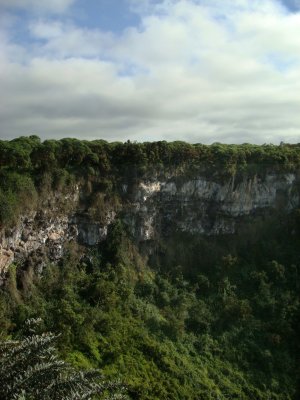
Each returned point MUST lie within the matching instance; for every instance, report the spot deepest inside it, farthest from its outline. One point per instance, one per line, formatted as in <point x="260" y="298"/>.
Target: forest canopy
<point x="30" y="154"/>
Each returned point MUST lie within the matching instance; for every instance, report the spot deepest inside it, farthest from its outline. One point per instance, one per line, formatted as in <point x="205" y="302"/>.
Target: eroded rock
<point x="150" y="209"/>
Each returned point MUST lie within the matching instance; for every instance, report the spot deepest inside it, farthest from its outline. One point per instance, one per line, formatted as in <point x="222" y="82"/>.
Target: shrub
<point x="31" y="369"/>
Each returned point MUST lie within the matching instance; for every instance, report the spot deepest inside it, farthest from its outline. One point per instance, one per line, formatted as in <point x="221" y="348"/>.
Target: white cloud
<point x="201" y="71"/>
<point x="66" y="40"/>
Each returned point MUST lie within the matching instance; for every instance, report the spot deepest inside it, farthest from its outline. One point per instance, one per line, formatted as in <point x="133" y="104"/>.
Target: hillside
<point x="171" y="265"/>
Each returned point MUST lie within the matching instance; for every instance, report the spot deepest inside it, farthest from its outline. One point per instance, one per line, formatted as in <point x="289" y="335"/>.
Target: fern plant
<point x="31" y="370"/>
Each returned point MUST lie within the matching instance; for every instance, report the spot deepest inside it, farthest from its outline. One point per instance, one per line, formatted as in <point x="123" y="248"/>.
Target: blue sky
<point x="194" y="70"/>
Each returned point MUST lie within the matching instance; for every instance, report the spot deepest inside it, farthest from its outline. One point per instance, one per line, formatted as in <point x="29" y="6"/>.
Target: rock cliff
<point x="151" y="208"/>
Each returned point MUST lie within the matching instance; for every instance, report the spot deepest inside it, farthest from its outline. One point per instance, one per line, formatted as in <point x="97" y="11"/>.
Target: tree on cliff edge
<point x="31" y="370"/>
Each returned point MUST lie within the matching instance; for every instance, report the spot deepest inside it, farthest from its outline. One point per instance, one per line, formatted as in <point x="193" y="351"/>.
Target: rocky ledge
<point x="151" y="208"/>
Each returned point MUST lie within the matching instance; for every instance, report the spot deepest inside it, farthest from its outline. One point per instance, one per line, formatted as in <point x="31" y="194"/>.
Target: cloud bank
<point x="200" y="71"/>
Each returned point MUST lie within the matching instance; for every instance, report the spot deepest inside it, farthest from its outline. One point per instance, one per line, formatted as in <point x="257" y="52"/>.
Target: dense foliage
<point x="27" y="164"/>
<point x="202" y="318"/>
<point x="30" y="369"/>
<point x="220" y="325"/>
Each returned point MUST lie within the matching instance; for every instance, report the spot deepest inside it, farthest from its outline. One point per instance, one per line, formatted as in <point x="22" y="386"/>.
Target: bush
<point x="31" y="369"/>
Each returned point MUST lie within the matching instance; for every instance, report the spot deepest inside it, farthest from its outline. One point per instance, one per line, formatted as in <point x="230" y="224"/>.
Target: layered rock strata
<point x="151" y="208"/>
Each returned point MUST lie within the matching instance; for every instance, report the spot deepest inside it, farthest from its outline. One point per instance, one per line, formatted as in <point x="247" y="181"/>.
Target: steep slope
<point x="175" y="266"/>
<point x="152" y="208"/>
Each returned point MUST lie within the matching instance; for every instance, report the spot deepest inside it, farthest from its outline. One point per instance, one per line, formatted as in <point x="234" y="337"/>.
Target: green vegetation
<point x="27" y="163"/>
<point x="30" y="369"/>
<point x="209" y="318"/>
<point x="222" y="325"/>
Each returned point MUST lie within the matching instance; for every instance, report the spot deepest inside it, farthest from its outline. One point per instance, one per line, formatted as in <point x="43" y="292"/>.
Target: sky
<point x="201" y="71"/>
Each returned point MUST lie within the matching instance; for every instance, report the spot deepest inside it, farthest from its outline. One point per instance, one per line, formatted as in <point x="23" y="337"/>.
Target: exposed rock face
<point x="204" y="206"/>
<point x="90" y="232"/>
<point x="150" y="208"/>
<point x="38" y="231"/>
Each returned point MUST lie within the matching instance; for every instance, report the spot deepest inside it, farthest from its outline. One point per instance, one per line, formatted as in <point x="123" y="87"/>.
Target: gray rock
<point x="150" y="208"/>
